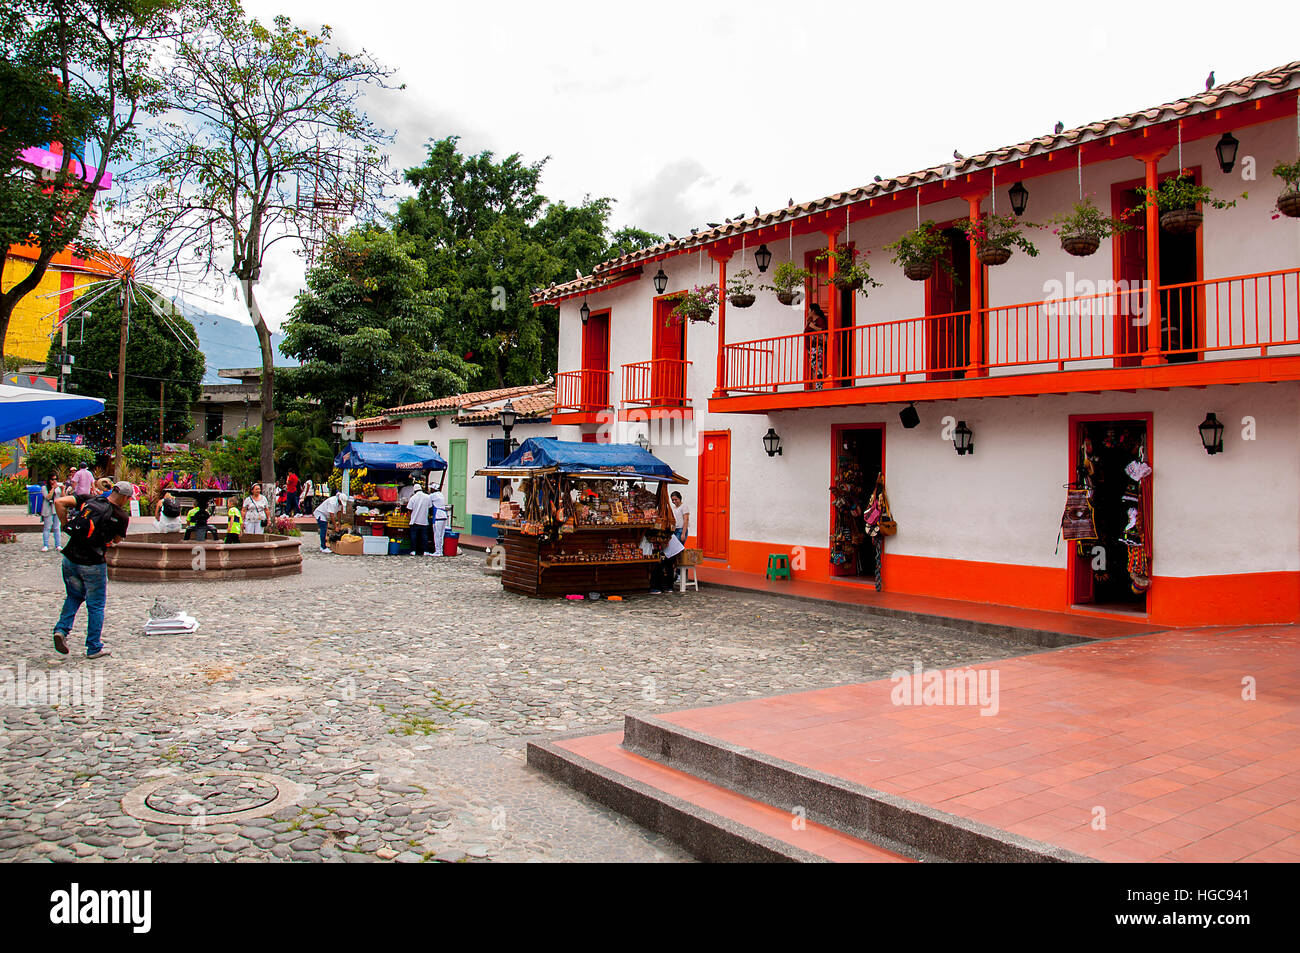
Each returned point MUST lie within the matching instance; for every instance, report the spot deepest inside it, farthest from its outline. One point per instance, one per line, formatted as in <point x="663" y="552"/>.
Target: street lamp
<point x="508" y="418"/>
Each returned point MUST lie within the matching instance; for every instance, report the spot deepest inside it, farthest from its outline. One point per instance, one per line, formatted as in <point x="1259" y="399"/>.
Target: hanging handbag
<point x="1078" y="522"/>
<point x="887" y="525"/>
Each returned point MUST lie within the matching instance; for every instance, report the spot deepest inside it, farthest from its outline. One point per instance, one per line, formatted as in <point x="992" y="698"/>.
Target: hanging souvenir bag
<point x="887" y="525"/>
<point x="1078" y="522"/>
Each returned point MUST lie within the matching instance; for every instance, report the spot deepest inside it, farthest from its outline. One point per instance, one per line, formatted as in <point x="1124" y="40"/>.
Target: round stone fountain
<point x="167" y="557"/>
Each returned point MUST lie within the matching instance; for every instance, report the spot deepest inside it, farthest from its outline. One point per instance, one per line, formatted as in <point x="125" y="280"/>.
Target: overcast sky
<point x="687" y="112"/>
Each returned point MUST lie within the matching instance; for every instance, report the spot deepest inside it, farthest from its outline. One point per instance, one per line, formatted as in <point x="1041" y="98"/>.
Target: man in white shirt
<point x="682" y="514"/>
<point x="438" y="519"/>
<point x="419" y="505"/>
<point x="328" y="510"/>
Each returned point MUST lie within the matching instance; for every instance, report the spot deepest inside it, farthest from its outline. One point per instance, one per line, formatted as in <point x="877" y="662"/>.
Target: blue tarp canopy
<point x="619" y="461"/>
<point x="25" y="410"/>
<point x="388" y="456"/>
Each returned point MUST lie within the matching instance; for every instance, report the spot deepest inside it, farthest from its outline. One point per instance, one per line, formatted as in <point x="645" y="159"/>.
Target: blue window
<point x="496" y="452"/>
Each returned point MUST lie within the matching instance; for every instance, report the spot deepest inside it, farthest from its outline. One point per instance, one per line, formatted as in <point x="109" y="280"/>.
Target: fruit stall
<point x="373" y="477"/>
<point x="584" y="518"/>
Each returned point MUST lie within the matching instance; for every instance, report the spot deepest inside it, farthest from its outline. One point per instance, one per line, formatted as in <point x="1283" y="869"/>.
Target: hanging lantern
<point x="1211" y="434"/>
<point x="661" y="281"/>
<point x="643" y="442"/>
<point x="585" y="312"/>
<point x="1019" y="196"/>
<point x="1226" y="150"/>
<point x="963" y="439"/>
<point x="772" y="442"/>
<point x="762" y="258"/>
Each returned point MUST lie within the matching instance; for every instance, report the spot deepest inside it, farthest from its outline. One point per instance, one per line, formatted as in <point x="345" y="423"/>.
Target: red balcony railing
<point x="1249" y="314"/>
<point x="656" y="383"/>
<point x="584" y="392"/>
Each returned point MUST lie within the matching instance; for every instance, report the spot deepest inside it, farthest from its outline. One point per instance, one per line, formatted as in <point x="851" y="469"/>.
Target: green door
<point x="458" y="464"/>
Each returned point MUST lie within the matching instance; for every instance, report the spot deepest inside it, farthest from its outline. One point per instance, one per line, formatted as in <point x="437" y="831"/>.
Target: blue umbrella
<point x="25" y="410"/>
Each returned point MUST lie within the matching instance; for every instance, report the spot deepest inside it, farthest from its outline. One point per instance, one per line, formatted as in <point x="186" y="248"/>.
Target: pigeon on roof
<point x="1060" y="128"/>
<point x="957" y="155"/>
<point x="1209" y="81"/>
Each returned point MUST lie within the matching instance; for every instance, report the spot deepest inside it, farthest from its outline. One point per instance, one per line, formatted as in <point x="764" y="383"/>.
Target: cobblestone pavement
<point x="393" y="695"/>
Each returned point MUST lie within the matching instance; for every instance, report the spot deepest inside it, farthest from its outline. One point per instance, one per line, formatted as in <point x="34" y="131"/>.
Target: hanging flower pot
<point x="1182" y="221"/>
<point x="842" y="284"/>
<point x="1288" y="203"/>
<point x="741" y="301"/>
<point x="919" y="270"/>
<point x="1080" y="245"/>
<point x="787" y="281"/>
<point x="851" y="269"/>
<point x="740" y="290"/>
<point x="993" y="255"/>
<point x="697" y="304"/>
<point x="786" y="297"/>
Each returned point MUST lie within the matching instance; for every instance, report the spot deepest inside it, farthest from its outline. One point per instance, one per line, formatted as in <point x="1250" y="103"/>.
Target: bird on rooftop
<point x="1209" y="81"/>
<point x="957" y="155"/>
<point x="790" y="203"/>
<point x="672" y="237"/>
<point x="727" y="220"/>
<point x="1060" y="128"/>
<point x="756" y="211"/>
<point x="577" y="272"/>
<point x="877" y="178"/>
<point x="713" y="224"/>
<point x="694" y="230"/>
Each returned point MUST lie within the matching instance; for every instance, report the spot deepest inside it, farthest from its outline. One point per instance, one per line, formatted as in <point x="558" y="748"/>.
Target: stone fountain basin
<point x="169" y="557"/>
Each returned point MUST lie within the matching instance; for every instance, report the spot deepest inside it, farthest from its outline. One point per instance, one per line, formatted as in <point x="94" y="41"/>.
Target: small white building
<point x="466" y="430"/>
<point x="1058" y="369"/>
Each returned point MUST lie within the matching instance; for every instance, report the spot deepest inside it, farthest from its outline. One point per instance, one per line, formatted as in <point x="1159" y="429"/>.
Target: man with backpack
<point x="91" y="524"/>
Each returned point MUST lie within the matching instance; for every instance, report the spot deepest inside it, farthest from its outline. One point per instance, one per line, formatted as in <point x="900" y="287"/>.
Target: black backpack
<point x="171" y="509"/>
<point x="89" y="519"/>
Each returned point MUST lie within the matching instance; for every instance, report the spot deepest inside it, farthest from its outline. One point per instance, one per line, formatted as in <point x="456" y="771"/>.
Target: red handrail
<point x="583" y="391"/>
<point x="660" y="382"/>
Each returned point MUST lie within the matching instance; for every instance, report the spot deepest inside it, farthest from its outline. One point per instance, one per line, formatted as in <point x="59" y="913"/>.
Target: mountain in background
<point x="226" y="342"/>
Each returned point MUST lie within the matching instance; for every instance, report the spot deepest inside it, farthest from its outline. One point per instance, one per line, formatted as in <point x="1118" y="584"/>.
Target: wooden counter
<point x="534" y="567"/>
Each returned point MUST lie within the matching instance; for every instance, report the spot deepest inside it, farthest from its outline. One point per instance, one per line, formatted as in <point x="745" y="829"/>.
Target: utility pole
<point x="118" y="462"/>
<point x="161" y="389"/>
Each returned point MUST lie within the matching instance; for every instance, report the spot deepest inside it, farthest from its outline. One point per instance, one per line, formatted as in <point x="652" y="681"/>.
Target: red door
<point x="715" y="493"/>
<point x="595" y="361"/>
<point x="1130" y="273"/>
<point x="947" y="295"/>
<point x="667" y="370"/>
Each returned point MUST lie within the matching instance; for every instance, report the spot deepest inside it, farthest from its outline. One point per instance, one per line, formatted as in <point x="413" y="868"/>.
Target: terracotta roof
<point x="1260" y="84"/>
<point x="528" y="407"/>
<point x="454" y="403"/>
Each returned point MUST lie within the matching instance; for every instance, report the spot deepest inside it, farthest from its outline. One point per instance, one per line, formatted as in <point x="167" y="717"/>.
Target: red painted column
<point x="722" y="322"/>
<point x="1152" y="355"/>
<point x="832" y="315"/>
<point x="975" y="358"/>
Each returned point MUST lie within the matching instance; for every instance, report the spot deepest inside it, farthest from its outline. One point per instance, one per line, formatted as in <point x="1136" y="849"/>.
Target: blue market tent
<point x="26" y="410"/>
<point x="388" y="456"/>
<point x="619" y="461"/>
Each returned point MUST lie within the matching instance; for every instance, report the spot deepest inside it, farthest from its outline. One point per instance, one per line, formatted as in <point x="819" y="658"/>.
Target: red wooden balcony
<point x="1098" y="342"/>
<point x="582" y="392"/>
<point x="656" y="383"/>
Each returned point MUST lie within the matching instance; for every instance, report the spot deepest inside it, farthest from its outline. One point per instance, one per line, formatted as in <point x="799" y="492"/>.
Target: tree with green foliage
<point x="259" y="116"/>
<point x="55" y="457"/>
<point x="77" y="73"/>
<point x="489" y="237"/>
<point x="161" y="366"/>
<point x="238" y="457"/>
<point x="367" y="329"/>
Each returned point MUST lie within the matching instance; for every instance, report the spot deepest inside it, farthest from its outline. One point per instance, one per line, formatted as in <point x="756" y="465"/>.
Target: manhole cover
<point x="229" y="795"/>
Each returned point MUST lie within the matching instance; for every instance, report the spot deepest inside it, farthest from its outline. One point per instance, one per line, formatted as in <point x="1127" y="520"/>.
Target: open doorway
<point x="947" y="307"/>
<point x="857" y="459"/>
<point x="1112" y="459"/>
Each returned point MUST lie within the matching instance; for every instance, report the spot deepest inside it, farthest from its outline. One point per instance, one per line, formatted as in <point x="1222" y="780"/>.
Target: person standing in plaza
<point x="438" y="517"/>
<point x="92" y="525"/>
<point x="419" y="505"/>
<point x="233" y="523"/>
<point x="81" y="482"/>
<point x="308" y="489"/>
<point x="256" y="511"/>
<point x="291" y="493"/>
<point x="49" y="515"/>
<point x="682" y="517"/>
<point x="329" y="511"/>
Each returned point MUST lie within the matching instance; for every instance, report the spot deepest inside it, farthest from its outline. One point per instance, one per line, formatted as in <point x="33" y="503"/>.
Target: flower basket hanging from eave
<point x="742" y="301"/>
<point x="993" y="255"/>
<point x="919" y="270"/>
<point x="1288" y="203"/>
<point x="1081" y="246"/>
<point x="1181" y="221"/>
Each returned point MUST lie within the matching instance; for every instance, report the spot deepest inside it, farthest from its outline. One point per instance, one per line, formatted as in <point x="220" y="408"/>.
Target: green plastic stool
<point x="778" y="566"/>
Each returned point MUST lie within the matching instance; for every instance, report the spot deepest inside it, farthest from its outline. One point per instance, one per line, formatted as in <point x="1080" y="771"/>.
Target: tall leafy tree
<point x="368" y="327"/>
<point x="165" y="372"/>
<point x="79" y="74"/>
<point x="265" y="142"/>
<point x="489" y="237"/>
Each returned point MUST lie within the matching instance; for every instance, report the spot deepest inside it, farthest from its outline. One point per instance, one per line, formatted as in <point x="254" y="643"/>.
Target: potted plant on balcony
<point x="918" y="250"/>
<point x="695" y="305"/>
<point x="1288" y="203"/>
<point x="1179" y="199"/>
<point x="740" y="290"/>
<point x="995" y="236"/>
<point x="851" y="268"/>
<point x="787" y="281"/>
<point x="1083" y="227"/>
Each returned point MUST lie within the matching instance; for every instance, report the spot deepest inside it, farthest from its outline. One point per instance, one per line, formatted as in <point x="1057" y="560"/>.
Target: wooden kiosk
<point x="582" y="517"/>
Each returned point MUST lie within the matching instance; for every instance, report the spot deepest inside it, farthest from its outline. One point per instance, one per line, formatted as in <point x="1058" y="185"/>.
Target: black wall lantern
<point x="661" y="281"/>
<point x="1211" y="434"/>
<point x="762" y="258"/>
<point x="771" y="442"/>
<point x="1226" y="150"/>
<point x="909" y="417"/>
<point x="508" y="418"/>
<point x="643" y="442"/>
<point x="963" y="439"/>
<point x="1019" y="196"/>
<point x="585" y="312"/>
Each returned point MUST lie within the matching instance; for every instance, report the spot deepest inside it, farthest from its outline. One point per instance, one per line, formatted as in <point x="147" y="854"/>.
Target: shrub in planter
<point x="851" y="268"/>
<point x="695" y="305"/>
<point x="995" y="236"/>
<point x="787" y="281"/>
<point x="1179" y="200"/>
<point x="919" y="249"/>
<point x="13" y="492"/>
<point x="740" y="290"/>
<point x="1083" y="228"/>
<point x="47" y="459"/>
<point x="1288" y="203"/>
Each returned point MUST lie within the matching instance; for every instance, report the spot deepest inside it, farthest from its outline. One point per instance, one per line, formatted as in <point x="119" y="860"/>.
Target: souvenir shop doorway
<point x="857" y="458"/>
<point x="1111" y="459"/>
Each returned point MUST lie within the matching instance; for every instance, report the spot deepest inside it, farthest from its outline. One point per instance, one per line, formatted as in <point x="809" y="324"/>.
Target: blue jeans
<point x="88" y="584"/>
<point x="419" y="538"/>
<point x="48" y="524"/>
<point x="678" y="534"/>
<point x="323" y="526"/>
